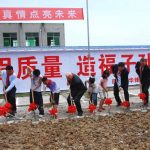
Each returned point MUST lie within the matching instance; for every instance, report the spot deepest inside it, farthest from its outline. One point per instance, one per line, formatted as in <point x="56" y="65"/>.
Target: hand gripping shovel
<point x="91" y="107"/>
<point x="33" y="106"/>
<point x="72" y="108"/>
<point x="7" y="106"/>
<point x="53" y="111"/>
<point x="125" y="104"/>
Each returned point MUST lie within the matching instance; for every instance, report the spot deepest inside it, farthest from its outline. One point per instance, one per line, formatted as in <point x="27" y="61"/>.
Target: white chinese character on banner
<point x="72" y="14"/>
<point x="47" y="14"/>
<point x="34" y="14"/>
<point x="20" y="14"/>
<point x="59" y="14"/>
<point x="7" y="14"/>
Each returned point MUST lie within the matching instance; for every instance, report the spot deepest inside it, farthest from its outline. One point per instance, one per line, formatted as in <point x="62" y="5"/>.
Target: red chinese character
<point x="128" y="61"/>
<point x="106" y="61"/>
<point x="23" y="62"/>
<point x="131" y="79"/>
<point x="86" y="66"/>
<point x="4" y="62"/>
<point x="52" y="66"/>
<point x="148" y="58"/>
<point x="141" y="56"/>
<point x="137" y="80"/>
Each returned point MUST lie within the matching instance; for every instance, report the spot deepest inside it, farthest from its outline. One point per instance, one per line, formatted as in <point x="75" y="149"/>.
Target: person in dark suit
<point x="77" y="89"/>
<point x="121" y="81"/>
<point x="143" y="71"/>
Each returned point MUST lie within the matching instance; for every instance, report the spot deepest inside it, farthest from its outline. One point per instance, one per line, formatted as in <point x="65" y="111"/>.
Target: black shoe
<point x="146" y="104"/>
<point x="15" y="112"/>
<point x="80" y="114"/>
<point x="11" y="115"/>
<point x="118" y="105"/>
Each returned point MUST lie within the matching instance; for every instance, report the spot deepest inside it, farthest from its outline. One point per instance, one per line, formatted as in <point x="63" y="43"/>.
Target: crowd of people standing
<point x="78" y="87"/>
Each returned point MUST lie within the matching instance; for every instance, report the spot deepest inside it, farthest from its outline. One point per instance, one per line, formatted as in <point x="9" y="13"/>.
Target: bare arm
<point x="102" y="85"/>
<point x="29" y="71"/>
<point x="86" y="82"/>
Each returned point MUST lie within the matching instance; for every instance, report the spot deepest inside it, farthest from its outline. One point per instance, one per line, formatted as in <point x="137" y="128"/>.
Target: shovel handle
<point x="123" y="98"/>
<point x="140" y="88"/>
<point x="52" y="99"/>
<point x="32" y="95"/>
<point x="70" y="96"/>
<point x="5" y="96"/>
<point x="107" y="94"/>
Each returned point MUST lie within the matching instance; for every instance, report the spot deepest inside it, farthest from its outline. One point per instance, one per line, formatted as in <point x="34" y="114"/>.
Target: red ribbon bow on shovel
<point x="8" y="107"/>
<point x="125" y="104"/>
<point x="142" y="96"/>
<point x="72" y="109"/>
<point x="108" y="101"/>
<point x="32" y="107"/>
<point x="3" y="112"/>
<point x="53" y="111"/>
<point x="92" y="108"/>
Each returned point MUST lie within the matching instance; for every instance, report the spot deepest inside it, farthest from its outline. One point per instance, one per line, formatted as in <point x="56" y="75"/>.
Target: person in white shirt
<point x="103" y="89"/>
<point x="92" y="89"/>
<point x="36" y="82"/>
<point x="9" y="79"/>
<point x="121" y="83"/>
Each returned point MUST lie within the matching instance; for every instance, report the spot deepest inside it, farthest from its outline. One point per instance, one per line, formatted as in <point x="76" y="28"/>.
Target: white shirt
<point x="12" y="80"/>
<point x="119" y="79"/>
<point x="93" y="88"/>
<point x="104" y="82"/>
<point x="35" y="81"/>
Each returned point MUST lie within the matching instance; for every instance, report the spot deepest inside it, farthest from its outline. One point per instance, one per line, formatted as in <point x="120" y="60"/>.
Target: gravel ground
<point x="125" y="131"/>
<point x="122" y="130"/>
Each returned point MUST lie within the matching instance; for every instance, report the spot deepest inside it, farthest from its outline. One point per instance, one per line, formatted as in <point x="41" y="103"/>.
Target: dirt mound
<point x="119" y="132"/>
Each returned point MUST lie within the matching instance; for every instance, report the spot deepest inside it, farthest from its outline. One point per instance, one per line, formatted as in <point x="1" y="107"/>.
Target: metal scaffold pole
<point x="88" y="34"/>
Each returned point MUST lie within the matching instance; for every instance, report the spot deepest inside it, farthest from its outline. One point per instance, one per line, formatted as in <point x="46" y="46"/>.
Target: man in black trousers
<point x="121" y="81"/>
<point x="77" y="89"/>
<point x="143" y="71"/>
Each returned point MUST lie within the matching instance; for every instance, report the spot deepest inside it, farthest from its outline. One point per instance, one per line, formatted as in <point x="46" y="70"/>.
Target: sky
<point x="112" y="22"/>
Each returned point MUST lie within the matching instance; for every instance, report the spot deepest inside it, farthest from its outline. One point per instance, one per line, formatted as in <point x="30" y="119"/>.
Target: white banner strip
<point x="55" y="63"/>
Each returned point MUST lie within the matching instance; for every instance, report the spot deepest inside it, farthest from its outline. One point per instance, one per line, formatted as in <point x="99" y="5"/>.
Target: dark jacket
<point x="77" y="86"/>
<point x="137" y="68"/>
<point x="124" y="78"/>
<point x="144" y="75"/>
<point x="114" y="69"/>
